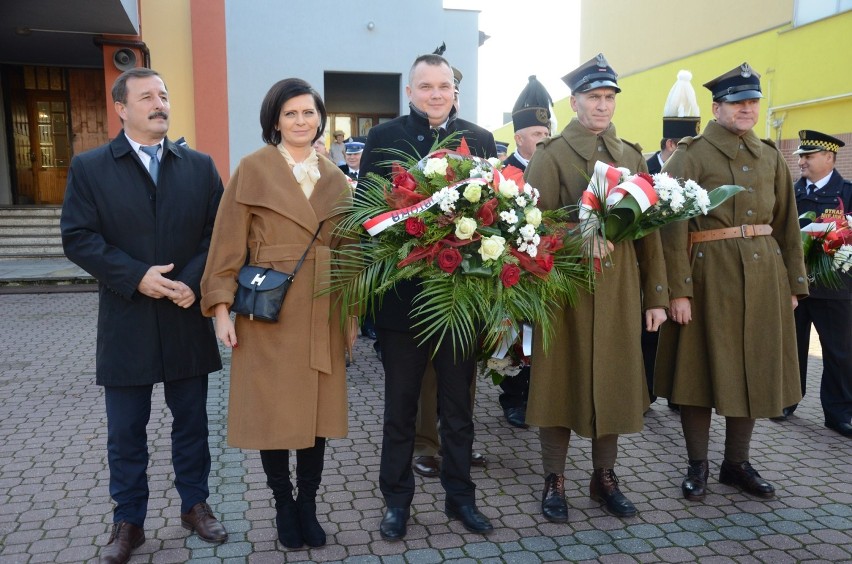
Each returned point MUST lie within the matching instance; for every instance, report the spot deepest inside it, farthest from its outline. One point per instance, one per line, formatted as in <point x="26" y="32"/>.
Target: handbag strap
<point x="301" y="260"/>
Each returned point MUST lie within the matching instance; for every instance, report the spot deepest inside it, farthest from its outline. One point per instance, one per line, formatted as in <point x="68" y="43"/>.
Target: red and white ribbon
<point x="606" y="189"/>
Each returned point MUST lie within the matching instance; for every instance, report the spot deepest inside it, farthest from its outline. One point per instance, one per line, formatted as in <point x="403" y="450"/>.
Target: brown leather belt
<point x="743" y="231"/>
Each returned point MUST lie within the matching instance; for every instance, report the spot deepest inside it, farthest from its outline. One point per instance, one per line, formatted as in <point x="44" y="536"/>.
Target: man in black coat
<point x="353" y="152"/>
<point x="823" y="191"/>
<point x="432" y="117"/>
<point x="138" y="216"/>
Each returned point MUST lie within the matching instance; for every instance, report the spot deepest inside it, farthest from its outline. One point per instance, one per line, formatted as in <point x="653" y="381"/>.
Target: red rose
<point x="415" y="227"/>
<point x="486" y="214"/>
<point x="449" y="259"/>
<point x="404" y="179"/>
<point x="510" y="275"/>
<point x="545" y="261"/>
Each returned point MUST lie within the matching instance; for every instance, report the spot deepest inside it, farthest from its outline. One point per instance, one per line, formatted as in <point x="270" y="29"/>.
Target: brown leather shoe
<point x="201" y="520"/>
<point x="694" y="486"/>
<point x="426" y="466"/>
<point x="746" y="478"/>
<point x="604" y="488"/>
<point x="124" y="538"/>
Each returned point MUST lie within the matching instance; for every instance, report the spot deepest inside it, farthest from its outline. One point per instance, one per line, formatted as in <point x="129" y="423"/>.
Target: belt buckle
<point x="743" y="229"/>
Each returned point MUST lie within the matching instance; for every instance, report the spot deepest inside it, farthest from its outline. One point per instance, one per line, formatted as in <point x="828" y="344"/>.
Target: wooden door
<point x="50" y="149"/>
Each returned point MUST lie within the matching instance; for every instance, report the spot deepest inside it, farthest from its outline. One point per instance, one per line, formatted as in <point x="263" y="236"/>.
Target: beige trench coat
<point x="738" y="354"/>
<point x="288" y="379"/>
<point x="592" y="379"/>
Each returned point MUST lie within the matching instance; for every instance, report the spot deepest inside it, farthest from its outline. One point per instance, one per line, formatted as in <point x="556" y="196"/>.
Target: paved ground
<point x="54" y="504"/>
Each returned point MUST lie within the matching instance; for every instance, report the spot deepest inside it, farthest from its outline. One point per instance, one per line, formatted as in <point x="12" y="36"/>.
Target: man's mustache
<point x="154" y="115"/>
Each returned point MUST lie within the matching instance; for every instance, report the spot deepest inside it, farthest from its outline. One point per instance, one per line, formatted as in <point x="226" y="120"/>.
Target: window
<point x="807" y="11"/>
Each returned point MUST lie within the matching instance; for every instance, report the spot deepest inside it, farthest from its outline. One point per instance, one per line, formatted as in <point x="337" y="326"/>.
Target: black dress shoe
<point x="392" y="526"/>
<point x="604" y="488"/>
<point x="426" y="466"/>
<point x="478" y="459"/>
<point x="553" y="504"/>
<point x="785" y="413"/>
<point x="516" y="416"/>
<point x="673" y="406"/>
<point x="368" y="332"/>
<point x="844" y="429"/>
<point x="746" y="478"/>
<point x="471" y="518"/>
<point x="694" y="486"/>
<point x="124" y="538"/>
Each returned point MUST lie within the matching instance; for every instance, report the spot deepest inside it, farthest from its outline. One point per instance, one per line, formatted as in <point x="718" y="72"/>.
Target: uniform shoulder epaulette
<point x="688" y="140"/>
<point x="636" y="146"/>
<point x="548" y="140"/>
<point x="770" y="142"/>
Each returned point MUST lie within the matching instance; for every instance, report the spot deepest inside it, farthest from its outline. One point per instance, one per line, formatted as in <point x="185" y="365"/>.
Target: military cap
<point x="532" y="107"/>
<point x="814" y="142"/>
<point x="457" y="77"/>
<point x="594" y="73"/>
<point x="681" y="114"/>
<point x="354" y="147"/>
<point x="740" y="83"/>
<point x="502" y="148"/>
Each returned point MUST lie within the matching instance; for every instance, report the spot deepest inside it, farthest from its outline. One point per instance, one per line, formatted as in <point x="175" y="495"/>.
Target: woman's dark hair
<point x="270" y="109"/>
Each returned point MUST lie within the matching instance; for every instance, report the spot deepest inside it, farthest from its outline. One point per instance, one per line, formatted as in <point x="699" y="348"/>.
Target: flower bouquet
<point x="471" y="235"/>
<point x="622" y="206"/>
<point x="827" y="245"/>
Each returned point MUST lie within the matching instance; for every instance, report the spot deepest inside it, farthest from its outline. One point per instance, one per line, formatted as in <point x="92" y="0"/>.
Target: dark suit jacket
<point x="825" y="199"/>
<point x="413" y="135"/>
<point x="115" y="225"/>
<point x="345" y="170"/>
<point x="653" y="163"/>
<point x="512" y="160"/>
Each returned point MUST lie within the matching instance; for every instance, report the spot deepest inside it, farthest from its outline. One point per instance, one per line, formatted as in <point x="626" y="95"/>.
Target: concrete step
<point x="29" y="220"/>
<point x="51" y="239"/>
<point x="29" y="229"/>
<point x="30" y="251"/>
<point x="30" y="211"/>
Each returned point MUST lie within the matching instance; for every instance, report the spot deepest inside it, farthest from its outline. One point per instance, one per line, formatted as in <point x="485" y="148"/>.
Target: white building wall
<point x="268" y="40"/>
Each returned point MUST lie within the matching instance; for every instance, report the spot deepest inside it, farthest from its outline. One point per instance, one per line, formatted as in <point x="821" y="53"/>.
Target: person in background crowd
<point x="736" y="275"/>
<point x="138" y="215"/>
<point x="320" y="148"/>
<point x="582" y="384"/>
<point x="288" y="379"/>
<point x="823" y="191"/>
<point x="338" y="148"/>
<point x="681" y="118"/>
<point x="354" y="149"/>
<point x="531" y="120"/>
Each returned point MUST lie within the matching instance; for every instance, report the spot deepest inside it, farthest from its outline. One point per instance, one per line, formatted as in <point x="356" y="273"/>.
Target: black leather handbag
<point x="261" y="291"/>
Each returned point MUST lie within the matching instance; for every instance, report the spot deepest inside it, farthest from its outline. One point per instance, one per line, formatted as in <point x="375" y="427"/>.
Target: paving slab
<point x="55" y="505"/>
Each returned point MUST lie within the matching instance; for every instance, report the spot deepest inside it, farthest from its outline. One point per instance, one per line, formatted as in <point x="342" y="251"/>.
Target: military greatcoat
<point x="288" y="379"/>
<point x="738" y="354"/>
<point x="592" y="378"/>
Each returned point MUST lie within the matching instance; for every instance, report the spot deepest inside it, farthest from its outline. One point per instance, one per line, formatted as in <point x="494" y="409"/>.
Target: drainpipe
<point x="146" y="53"/>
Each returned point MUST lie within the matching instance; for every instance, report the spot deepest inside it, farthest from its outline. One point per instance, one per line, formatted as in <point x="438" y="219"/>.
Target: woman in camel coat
<point x="288" y="379"/>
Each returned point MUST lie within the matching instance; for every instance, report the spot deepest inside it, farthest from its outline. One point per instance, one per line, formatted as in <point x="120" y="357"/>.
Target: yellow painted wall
<point x="792" y="71"/>
<point x="167" y="31"/>
<point x="636" y="36"/>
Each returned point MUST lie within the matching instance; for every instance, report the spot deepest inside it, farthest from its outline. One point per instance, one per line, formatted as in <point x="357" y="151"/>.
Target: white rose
<point x="465" y="228"/>
<point x="533" y="216"/>
<point x="492" y="247"/>
<point x="435" y="167"/>
<point x="508" y="189"/>
<point x="473" y="193"/>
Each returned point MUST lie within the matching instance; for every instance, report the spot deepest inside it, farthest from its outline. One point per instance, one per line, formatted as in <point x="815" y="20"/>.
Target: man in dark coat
<point x="823" y="191"/>
<point x="531" y="120"/>
<point x="138" y="216"/>
<point x="432" y="117"/>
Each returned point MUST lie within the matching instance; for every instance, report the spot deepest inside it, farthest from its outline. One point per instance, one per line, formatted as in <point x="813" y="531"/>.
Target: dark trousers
<point x="404" y="364"/>
<point x="309" y="466"/>
<point x="516" y="389"/>
<point x="832" y="320"/>
<point x="128" y="410"/>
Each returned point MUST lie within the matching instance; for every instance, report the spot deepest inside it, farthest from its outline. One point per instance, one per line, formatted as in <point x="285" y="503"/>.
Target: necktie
<point x="154" y="165"/>
<point x="811" y="189"/>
